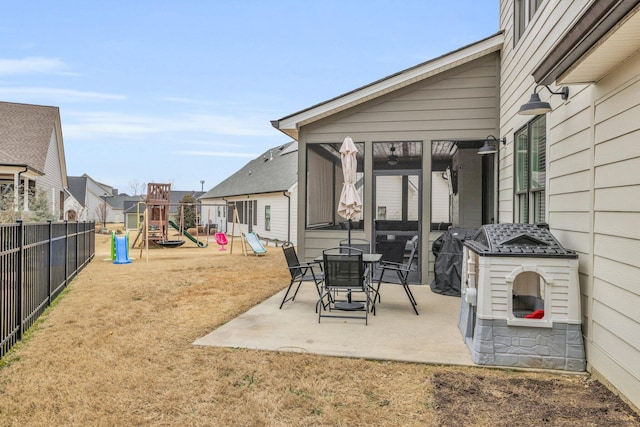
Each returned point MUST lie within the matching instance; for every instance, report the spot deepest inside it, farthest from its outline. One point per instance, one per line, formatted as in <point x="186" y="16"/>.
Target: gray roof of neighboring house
<point x="120" y="201"/>
<point x="25" y="133"/>
<point x="273" y="171"/>
<point x="77" y="186"/>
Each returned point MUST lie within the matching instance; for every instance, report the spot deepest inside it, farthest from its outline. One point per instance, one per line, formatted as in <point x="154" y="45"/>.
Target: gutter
<point x="226" y="214"/>
<point x="284" y="193"/>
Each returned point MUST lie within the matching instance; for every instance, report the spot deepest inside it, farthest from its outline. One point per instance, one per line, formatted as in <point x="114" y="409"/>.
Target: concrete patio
<point x="394" y="333"/>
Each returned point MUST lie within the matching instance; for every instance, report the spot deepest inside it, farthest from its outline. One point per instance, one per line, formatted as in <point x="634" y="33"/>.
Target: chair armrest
<point x="390" y="264"/>
<point x="311" y="265"/>
<point x="396" y="267"/>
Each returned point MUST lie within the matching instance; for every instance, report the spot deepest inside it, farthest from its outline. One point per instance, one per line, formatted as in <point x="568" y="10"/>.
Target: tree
<point x="137" y="186"/>
<point x="101" y="213"/>
<point x="8" y="213"/>
<point x="39" y="210"/>
<point x="189" y="210"/>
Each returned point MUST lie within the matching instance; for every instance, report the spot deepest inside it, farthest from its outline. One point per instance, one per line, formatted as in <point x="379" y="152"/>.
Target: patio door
<point x="397" y="201"/>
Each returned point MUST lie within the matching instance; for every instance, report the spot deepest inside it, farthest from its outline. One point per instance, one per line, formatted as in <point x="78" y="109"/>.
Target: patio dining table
<point x="368" y="259"/>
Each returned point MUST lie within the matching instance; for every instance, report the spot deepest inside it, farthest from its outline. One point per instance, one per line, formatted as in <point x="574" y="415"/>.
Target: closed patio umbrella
<point x="350" y="204"/>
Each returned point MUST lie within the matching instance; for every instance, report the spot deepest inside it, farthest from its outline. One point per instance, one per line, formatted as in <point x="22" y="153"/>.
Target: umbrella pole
<point x="349" y="232"/>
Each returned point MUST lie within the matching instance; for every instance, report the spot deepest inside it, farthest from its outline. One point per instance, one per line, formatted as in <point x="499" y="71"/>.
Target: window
<point x="527" y="289"/>
<point x="382" y="213"/>
<point x="267" y="218"/>
<point x="528" y="294"/>
<point x="530" y="171"/>
<point x="523" y="13"/>
<point x="247" y="212"/>
<point x="324" y="184"/>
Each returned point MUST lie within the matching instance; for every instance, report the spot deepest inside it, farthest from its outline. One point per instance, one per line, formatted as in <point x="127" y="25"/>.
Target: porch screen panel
<point x="413" y="198"/>
<point x="319" y="190"/>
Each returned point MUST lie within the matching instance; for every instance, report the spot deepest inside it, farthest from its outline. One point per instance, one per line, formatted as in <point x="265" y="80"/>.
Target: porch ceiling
<point x="620" y="44"/>
<point x="605" y="36"/>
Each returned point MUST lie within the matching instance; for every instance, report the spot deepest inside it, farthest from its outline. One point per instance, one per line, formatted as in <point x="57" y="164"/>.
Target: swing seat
<point x="170" y="243"/>
<point x="221" y="239"/>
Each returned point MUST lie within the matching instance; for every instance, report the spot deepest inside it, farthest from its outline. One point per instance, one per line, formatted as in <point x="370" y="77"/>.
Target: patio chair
<point x="344" y="271"/>
<point x="362" y="244"/>
<point x="402" y="270"/>
<point x="300" y="272"/>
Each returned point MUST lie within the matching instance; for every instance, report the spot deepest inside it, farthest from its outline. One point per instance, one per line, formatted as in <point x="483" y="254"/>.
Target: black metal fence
<point x="37" y="261"/>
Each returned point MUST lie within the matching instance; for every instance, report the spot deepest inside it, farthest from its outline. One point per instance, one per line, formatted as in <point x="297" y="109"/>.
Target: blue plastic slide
<point x="122" y="250"/>
<point x="254" y="242"/>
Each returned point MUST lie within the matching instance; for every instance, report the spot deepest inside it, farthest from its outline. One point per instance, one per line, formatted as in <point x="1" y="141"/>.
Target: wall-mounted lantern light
<point x="535" y="106"/>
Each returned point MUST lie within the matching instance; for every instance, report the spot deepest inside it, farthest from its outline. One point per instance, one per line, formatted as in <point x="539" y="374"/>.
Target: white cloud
<point x="31" y="65"/>
<point x="216" y="154"/>
<point x="91" y="125"/>
<point x="55" y="95"/>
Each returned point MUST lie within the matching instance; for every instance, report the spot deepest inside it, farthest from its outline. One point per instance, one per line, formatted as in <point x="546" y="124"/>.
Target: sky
<point x="184" y="91"/>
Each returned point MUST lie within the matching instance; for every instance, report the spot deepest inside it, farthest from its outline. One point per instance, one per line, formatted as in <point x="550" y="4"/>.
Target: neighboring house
<point x="91" y="198"/>
<point x="265" y="194"/>
<point x="73" y="209"/>
<point x="575" y="167"/>
<point x="133" y="214"/>
<point x="32" y="154"/>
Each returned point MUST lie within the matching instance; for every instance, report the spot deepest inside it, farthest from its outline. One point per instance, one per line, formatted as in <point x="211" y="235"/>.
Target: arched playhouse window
<point x="528" y="290"/>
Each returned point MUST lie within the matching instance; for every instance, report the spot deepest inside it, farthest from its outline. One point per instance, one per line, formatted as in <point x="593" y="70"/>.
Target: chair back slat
<point x="344" y="269"/>
<point x="292" y="259"/>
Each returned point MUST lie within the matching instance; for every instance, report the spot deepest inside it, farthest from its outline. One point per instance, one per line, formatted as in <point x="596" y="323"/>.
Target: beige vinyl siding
<point x="569" y="133"/>
<point x="615" y="320"/>
<point x="516" y="85"/>
<point x="593" y="184"/>
<point x="52" y="182"/>
<point x="460" y="103"/>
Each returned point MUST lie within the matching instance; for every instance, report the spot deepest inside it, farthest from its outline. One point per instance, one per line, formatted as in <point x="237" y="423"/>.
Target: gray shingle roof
<point x="77" y="186"/>
<point x="25" y="133"/>
<point x="526" y="240"/>
<point x="274" y="171"/>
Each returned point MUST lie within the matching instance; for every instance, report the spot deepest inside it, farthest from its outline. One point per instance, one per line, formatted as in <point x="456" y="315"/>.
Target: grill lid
<point x="523" y="240"/>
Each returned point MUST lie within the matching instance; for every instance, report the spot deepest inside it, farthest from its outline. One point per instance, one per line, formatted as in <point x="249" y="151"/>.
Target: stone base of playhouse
<point x="496" y="343"/>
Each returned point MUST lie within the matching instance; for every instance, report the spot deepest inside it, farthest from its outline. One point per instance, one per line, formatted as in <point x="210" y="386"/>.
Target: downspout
<point x="16" y="198"/>
<point x="226" y="215"/>
<point x="284" y="193"/>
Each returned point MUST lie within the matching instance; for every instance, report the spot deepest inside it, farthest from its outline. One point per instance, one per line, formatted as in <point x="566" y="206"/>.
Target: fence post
<point x="66" y="253"/>
<point x="20" y="308"/>
<point x="77" y="245"/>
<point x="50" y="258"/>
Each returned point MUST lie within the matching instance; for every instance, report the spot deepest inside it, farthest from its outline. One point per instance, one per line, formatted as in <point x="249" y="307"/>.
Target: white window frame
<point x="523" y="12"/>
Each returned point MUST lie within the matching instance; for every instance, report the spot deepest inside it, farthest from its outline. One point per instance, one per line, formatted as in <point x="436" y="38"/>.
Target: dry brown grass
<point x="117" y="350"/>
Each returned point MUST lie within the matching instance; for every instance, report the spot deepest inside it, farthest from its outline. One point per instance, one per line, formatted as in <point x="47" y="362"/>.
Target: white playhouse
<point x="520" y="302"/>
